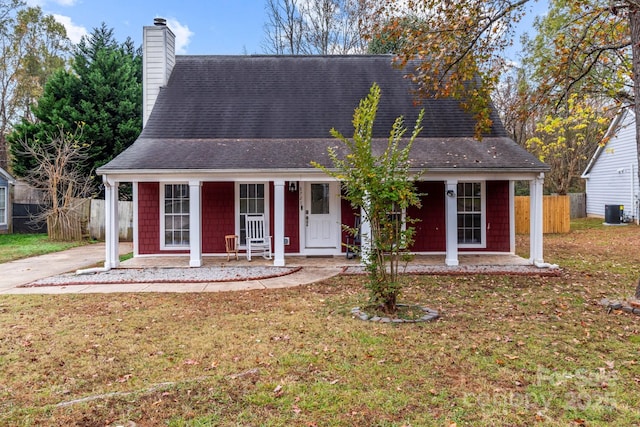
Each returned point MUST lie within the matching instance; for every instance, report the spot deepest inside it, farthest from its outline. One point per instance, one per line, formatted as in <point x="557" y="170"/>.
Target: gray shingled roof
<point x="275" y="112"/>
<point x="496" y="153"/>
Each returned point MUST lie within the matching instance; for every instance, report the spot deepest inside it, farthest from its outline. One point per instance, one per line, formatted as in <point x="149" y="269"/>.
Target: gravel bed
<point x="165" y="275"/>
<point x="229" y="274"/>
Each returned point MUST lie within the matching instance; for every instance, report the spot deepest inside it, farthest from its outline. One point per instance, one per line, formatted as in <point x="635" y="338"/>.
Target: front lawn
<point x="17" y="246"/>
<point x="508" y="350"/>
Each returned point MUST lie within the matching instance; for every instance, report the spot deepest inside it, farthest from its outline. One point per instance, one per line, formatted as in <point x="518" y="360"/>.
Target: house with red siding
<point x="225" y="137"/>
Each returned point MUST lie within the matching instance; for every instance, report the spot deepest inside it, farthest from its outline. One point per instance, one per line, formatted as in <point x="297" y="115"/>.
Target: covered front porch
<point x="290" y="202"/>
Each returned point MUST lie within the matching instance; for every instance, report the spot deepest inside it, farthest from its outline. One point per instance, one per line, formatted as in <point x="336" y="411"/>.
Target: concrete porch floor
<point x="182" y="261"/>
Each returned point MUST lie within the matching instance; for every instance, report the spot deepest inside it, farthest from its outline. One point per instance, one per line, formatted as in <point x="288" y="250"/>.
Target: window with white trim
<point x="320" y="194"/>
<point x="471" y="214"/>
<point x="252" y="199"/>
<point x="3" y="205"/>
<point x="175" y="216"/>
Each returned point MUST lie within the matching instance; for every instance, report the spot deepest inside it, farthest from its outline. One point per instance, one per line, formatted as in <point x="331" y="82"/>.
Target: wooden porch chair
<point x="256" y="240"/>
<point x="231" y="245"/>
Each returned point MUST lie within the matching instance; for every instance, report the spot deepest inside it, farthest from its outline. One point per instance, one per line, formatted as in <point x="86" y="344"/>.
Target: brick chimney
<point x="158" y="59"/>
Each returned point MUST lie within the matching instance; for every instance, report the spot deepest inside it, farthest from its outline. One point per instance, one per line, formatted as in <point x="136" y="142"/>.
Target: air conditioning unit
<point x="613" y="214"/>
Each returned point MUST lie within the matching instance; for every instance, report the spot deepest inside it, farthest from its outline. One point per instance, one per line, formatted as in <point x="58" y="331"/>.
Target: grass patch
<point x="507" y="350"/>
<point x="587" y="224"/>
<point x="17" y="246"/>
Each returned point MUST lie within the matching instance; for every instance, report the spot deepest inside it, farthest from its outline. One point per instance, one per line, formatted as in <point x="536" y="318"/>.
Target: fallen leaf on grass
<point x="124" y="378"/>
<point x="278" y="391"/>
<point x="190" y="362"/>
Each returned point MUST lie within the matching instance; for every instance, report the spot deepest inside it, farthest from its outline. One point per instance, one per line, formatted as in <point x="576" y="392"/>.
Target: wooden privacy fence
<point x="578" y="202"/>
<point x="97" y="220"/>
<point x="555" y="215"/>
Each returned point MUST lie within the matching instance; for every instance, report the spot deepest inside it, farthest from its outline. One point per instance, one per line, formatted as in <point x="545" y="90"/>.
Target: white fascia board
<point x="610" y="133"/>
<point x="11" y="180"/>
<point x="302" y="175"/>
<point x="213" y="175"/>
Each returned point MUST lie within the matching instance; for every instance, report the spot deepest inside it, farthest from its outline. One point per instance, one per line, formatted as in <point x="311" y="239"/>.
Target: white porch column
<point x="365" y="238"/>
<point x="111" y="232"/>
<point x="195" y="224"/>
<point x="451" y="222"/>
<point x="512" y="217"/>
<point x="278" y="223"/>
<point x="535" y="216"/>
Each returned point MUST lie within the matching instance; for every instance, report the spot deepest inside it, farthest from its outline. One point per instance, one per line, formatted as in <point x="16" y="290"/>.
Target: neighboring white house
<point x="6" y="181"/>
<point x="612" y="173"/>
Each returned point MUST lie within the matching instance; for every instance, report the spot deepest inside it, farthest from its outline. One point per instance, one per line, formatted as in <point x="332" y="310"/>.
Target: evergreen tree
<point x="102" y="92"/>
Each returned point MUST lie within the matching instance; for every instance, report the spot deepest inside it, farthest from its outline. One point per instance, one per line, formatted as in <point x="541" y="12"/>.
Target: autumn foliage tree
<point x="566" y="141"/>
<point x="575" y="73"/>
<point x="582" y="47"/>
<point x="33" y="46"/>
<point x="458" y="46"/>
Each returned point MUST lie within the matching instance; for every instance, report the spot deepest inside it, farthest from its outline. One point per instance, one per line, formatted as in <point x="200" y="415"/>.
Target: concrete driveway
<point x="23" y="271"/>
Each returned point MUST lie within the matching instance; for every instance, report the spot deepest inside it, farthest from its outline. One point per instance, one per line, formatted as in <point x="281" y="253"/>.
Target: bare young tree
<point x="59" y="176"/>
<point x="316" y="27"/>
<point x="284" y="31"/>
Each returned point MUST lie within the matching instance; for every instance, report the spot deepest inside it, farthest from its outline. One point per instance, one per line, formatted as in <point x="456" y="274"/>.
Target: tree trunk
<point x="390" y="304"/>
<point x="634" y="25"/>
<point x="4" y="152"/>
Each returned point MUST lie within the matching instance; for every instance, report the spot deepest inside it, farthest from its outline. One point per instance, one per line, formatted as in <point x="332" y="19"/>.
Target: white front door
<point x="321" y="210"/>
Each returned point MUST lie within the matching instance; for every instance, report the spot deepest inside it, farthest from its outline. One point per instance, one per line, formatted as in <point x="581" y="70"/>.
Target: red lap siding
<point x="498" y="239"/>
<point x="148" y="217"/>
<point x="292" y="220"/>
<point x="291" y="217"/>
<point x="430" y="233"/>
<point x="218" y="215"/>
